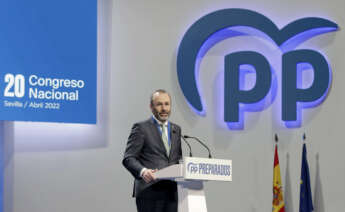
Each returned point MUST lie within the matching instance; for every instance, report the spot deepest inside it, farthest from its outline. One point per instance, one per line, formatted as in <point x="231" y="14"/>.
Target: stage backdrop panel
<point x="48" y="60"/>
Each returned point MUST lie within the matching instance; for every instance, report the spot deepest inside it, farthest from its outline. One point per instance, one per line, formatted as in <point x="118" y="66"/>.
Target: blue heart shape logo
<point x="191" y="47"/>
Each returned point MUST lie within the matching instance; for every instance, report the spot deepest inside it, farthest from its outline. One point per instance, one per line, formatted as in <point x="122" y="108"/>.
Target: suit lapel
<point x="173" y="136"/>
<point x="158" y="137"/>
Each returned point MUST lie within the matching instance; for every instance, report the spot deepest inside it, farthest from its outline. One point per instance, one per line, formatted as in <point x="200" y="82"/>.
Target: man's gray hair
<point x="158" y="91"/>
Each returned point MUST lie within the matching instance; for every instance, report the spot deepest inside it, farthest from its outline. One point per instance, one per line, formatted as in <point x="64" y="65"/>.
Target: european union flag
<point x="305" y="201"/>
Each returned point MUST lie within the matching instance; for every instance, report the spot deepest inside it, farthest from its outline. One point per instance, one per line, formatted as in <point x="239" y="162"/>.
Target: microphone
<point x="195" y="138"/>
<point x="189" y="147"/>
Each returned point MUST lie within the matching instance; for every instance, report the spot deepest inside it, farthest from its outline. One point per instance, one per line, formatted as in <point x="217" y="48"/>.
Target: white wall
<point x="78" y="168"/>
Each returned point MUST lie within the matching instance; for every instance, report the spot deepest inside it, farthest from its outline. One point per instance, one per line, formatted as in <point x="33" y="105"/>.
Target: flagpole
<point x="304" y="138"/>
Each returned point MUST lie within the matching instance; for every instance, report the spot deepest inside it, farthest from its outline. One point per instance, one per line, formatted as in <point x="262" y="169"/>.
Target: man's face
<point x="161" y="106"/>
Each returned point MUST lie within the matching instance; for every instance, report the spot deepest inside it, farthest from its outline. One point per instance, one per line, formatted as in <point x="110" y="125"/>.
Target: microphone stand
<point x="204" y="145"/>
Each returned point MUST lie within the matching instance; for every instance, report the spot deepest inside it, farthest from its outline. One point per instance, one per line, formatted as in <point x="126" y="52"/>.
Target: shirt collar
<point x="159" y="122"/>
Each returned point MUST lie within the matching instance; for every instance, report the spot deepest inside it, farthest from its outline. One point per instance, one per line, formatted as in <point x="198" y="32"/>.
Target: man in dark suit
<point x="152" y="145"/>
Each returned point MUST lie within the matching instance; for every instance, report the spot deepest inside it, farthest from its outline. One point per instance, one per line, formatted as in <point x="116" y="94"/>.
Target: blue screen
<point x="48" y="60"/>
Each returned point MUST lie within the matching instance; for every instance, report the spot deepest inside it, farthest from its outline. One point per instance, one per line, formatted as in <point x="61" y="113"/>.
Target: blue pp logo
<point x="192" y="167"/>
<point x="196" y="42"/>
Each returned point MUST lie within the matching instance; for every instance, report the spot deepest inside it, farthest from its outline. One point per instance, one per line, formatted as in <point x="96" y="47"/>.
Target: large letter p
<point x="291" y="94"/>
<point x="233" y="95"/>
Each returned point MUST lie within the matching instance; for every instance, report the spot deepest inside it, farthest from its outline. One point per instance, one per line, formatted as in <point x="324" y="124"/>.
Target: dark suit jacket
<point x="145" y="148"/>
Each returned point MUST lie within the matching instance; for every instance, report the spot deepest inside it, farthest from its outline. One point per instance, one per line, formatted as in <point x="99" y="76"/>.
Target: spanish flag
<point x="278" y="202"/>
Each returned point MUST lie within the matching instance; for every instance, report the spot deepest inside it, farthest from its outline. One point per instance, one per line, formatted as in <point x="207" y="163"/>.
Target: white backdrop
<point x="57" y="167"/>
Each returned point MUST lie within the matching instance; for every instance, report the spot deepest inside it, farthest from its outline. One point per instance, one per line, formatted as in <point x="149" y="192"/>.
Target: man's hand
<point x="148" y="175"/>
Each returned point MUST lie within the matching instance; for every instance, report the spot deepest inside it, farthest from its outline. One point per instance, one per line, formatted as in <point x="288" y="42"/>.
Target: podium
<point x="190" y="176"/>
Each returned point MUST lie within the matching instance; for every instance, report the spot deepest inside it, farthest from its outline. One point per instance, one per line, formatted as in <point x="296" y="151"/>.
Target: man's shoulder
<point x="150" y="122"/>
<point x="143" y="124"/>
<point x="175" y="126"/>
